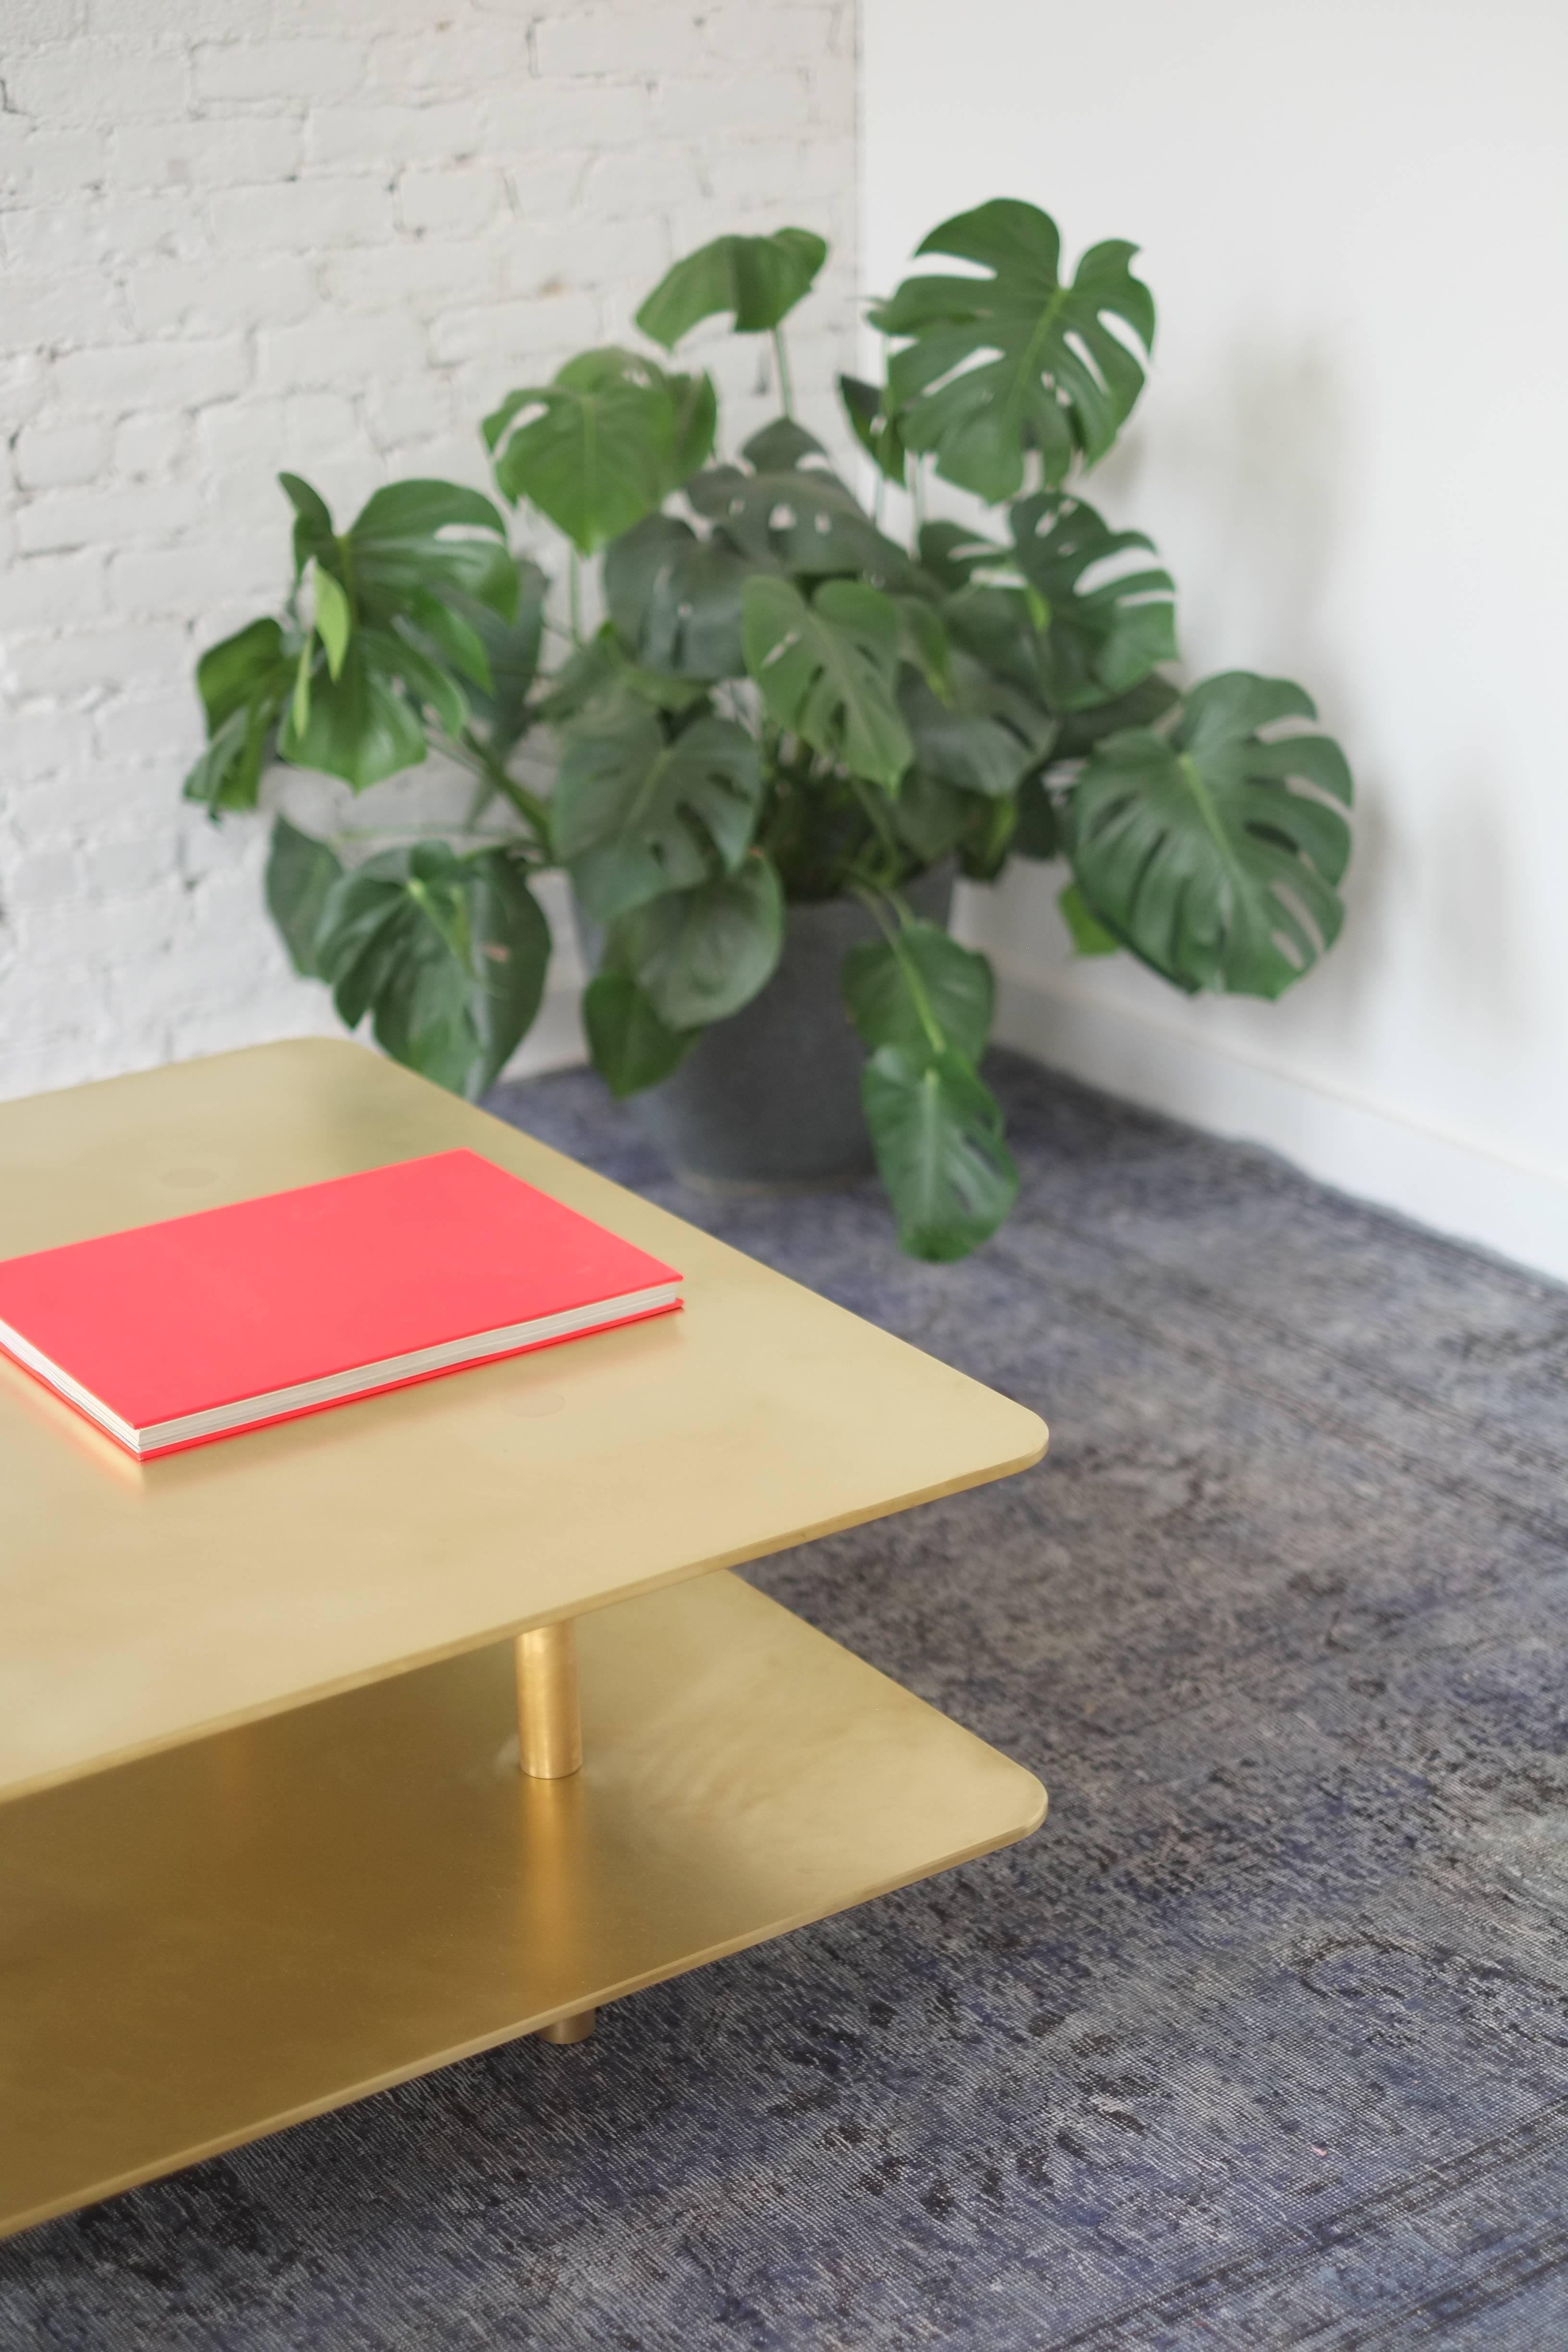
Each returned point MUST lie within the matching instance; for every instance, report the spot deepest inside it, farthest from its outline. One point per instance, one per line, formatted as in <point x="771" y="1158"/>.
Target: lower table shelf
<point x="203" y="1947"/>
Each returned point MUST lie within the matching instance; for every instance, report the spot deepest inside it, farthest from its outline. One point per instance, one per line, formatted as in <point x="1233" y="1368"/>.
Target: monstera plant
<point x="783" y="703"/>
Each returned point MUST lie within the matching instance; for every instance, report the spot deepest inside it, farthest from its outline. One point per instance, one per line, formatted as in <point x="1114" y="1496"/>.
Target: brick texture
<point x="236" y="235"/>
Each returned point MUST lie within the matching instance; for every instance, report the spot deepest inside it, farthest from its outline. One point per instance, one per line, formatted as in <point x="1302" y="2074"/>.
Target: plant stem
<point x="574" y="595"/>
<point x="874" y="806"/>
<point x="874" y="900"/>
<point x="917" y="503"/>
<point x="781" y="362"/>
<point x="471" y="754"/>
<point x="528" y="806"/>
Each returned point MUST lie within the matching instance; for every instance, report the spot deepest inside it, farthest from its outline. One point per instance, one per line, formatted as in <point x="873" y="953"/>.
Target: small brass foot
<point x="570" y="2029"/>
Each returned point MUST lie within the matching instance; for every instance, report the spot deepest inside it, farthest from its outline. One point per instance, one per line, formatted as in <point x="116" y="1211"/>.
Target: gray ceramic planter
<point x="771" y="1097"/>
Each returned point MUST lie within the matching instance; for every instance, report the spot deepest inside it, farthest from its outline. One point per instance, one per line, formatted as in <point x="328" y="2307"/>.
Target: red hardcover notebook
<point x="173" y="1334"/>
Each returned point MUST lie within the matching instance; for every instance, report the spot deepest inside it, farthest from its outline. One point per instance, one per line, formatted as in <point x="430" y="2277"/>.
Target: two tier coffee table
<point x="300" y="1798"/>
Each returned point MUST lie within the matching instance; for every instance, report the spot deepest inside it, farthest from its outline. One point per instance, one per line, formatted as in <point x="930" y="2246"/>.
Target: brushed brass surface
<point x="220" y="1939"/>
<point x="144" y="1605"/>
<point x="549" y="1718"/>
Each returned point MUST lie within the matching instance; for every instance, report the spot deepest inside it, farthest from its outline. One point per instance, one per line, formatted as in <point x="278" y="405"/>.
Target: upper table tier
<point x="142" y="1605"/>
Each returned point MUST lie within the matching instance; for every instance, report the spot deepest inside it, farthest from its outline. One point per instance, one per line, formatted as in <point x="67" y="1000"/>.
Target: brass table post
<point x="549" y="1726"/>
<point x="550" y="1742"/>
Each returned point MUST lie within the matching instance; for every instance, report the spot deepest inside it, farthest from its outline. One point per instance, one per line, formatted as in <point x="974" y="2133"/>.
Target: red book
<point x="173" y="1334"/>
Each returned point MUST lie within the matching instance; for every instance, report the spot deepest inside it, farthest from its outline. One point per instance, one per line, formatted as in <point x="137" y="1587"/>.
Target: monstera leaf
<point x="362" y="725"/>
<point x="1103" y="638"/>
<point x="399" y="567"/>
<point x="1038" y="833"/>
<point x="923" y="1005"/>
<point x="699" y="955"/>
<point x="301" y="873"/>
<point x="1044" y="655"/>
<point x="1141" y="706"/>
<point x="785" y="447"/>
<point x="875" y="426"/>
<point x="951" y="554"/>
<point x="985" y="735"/>
<point x="313" y="533"/>
<point x="1087" y="933"/>
<point x="603" y="444"/>
<point x="447" y="954"/>
<point x="986" y="841"/>
<point x="399" y="605"/>
<point x="631" y="1046"/>
<point x="759" y="279"/>
<point x="419" y="616"/>
<point x="920" y="989"/>
<point x="636" y="815"/>
<point x="928" y="816"/>
<point x="936" y="1131"/>
<point x="244" y="684"/>
<point x="510" y="648"/>
<point x="599" y="686"/>
<point x="1015" y="360"/>
<point x="1000" y="628"/>
<point x="397" y="555"/>
<point x="790" y="512"/>
<point x="675" y="599"/>
<point x="1200" y="852"/>
<point x="826" y="671"/>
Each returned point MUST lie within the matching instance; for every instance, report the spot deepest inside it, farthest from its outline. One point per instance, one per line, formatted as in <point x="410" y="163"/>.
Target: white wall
<point x="240" y="234"/>
<point x="1352" y="455"/>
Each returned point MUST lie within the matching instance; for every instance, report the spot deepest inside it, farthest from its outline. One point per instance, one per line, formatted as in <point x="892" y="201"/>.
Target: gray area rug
<point x="1263" y="2040"/>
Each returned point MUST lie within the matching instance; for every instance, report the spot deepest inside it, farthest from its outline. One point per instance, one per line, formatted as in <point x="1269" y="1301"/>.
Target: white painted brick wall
<point x="241" y="234"/>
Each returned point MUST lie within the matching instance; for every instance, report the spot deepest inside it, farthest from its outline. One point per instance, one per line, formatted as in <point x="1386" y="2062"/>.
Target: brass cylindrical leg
<point x="550" y="1729"/>
<point x="570" y="2029"/>
<point x="549" y="1743"/>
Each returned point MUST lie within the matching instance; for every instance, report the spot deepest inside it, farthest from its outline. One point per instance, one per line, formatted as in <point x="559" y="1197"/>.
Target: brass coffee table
<point x="266" y="1845"/>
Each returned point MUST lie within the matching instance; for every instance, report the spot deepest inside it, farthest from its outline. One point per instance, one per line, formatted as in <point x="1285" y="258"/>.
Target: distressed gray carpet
<point x="1263" y="2040"/>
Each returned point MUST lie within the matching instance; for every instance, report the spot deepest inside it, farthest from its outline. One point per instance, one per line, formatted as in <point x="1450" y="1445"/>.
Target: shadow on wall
<point x="1474" y="895"/>
<point x="1245" y="482"/>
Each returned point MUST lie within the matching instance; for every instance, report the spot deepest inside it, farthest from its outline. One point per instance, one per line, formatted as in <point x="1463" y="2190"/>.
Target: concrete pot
<point x="770" y="1100"/>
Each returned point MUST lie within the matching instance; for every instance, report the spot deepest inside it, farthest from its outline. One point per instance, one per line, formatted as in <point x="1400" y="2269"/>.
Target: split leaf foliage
<point x="1014" y="360"/>
<point x="774" y="699"/>
<point x="757" y="279"/>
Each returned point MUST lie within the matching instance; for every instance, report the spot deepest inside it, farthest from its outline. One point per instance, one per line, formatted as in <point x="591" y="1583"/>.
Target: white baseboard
<point x="1518" y="1211"/>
